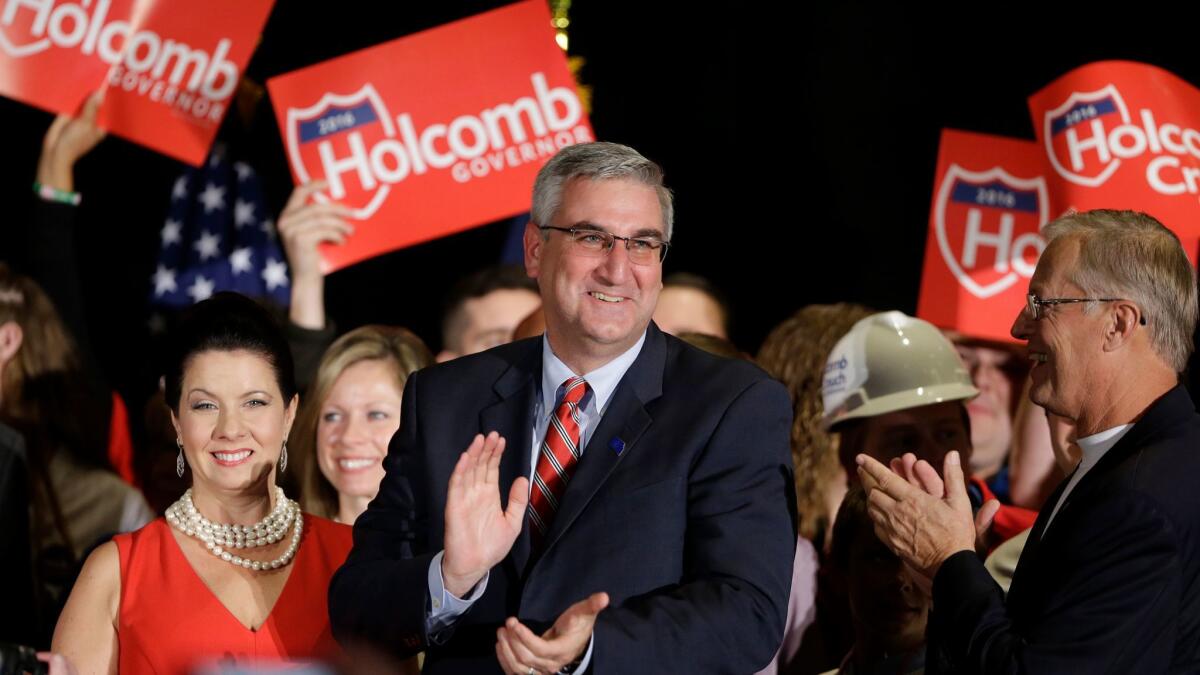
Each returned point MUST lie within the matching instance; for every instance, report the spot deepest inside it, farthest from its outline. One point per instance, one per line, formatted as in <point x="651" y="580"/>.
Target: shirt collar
<point x="1097" y="444"/>
<point x="602" y="381"/>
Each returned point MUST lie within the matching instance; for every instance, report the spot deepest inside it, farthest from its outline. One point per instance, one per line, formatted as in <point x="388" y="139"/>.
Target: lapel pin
<point x="617" y="445"/>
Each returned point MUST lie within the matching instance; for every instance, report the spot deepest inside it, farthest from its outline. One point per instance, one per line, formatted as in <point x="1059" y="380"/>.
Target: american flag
<point x="218" y="236"/>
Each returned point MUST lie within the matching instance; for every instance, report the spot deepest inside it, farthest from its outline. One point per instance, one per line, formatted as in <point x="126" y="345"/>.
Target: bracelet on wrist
<point x="52" y="194"/>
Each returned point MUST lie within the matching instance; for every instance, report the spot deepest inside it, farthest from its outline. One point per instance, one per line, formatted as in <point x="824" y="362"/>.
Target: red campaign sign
<point x="1123" y="135"/>
<point x="169" y="69"/>
<point x="990" y="202"/>
<point x="435" y="132"/>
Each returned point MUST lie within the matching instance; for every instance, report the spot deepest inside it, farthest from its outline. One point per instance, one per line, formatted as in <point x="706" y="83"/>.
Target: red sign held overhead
<point x="990" y="202"/>
<point x="169" y="70"/>
<point x="1118" y="134"/>
<point x="433" y="133"/>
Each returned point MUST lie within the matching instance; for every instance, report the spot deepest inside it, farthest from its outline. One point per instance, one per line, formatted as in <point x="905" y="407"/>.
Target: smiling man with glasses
<point x="1109" y="580"/>
<point x="648" y="526"/>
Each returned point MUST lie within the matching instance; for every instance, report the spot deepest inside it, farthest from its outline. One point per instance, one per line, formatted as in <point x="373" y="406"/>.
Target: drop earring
<point x="283" y="457"/>
<point x="179" y="463"/>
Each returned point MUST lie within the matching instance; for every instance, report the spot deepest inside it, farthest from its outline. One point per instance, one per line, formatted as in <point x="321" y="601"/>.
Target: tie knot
<point x="574" y="389"/>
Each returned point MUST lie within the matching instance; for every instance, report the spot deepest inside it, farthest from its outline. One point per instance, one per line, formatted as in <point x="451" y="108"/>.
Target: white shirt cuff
<point x="444" y="607"/>
<point x="587" y="656"/>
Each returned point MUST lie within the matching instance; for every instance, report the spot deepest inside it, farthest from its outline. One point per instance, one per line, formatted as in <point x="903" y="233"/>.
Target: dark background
<point x="801" y="145"/>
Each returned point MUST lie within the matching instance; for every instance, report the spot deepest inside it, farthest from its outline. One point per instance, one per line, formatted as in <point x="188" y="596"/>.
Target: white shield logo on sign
<point x="989" y="210"/>
<point x="333" y="116"/>
<point x="1064" y="148"/>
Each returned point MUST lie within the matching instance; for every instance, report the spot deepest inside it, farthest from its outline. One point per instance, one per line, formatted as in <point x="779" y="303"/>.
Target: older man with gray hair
<point x="1110" y="578"/>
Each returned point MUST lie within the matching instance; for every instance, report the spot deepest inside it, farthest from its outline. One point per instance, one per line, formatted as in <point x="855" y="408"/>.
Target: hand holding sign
<point x="169" y="70"/>
<point x="433" y="133"/>
<point x="303" y="224"/>
<point x="66" y="141"/>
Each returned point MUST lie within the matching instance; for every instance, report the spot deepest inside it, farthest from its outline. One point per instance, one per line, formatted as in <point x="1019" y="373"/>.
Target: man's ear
<point x="1125" y="319"/>
<point x="533" y="243"/>
<point x="11" y="337"/>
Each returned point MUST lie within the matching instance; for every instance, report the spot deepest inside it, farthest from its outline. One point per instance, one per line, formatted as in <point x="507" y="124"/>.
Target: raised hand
<point x="519" y="649"/>
<point x="479" y="533"/>
<point x="302" y="225"/>
<point x="68" y="138"/>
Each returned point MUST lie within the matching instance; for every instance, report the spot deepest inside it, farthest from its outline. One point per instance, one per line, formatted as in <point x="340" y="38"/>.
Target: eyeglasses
<point x="1033" y="304"/>
<point x="598" y="243"/>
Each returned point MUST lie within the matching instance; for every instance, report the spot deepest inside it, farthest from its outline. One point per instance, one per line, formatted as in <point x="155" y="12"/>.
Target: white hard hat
<point x="891" y="361"/>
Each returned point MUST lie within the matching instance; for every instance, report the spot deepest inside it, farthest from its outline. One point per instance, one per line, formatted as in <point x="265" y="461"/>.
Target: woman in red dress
<point x="234" y="572"/>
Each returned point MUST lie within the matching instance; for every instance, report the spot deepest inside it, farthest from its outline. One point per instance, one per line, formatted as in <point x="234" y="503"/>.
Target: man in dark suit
<point x="648" y="525"/>
<point x="1108" y="579"/>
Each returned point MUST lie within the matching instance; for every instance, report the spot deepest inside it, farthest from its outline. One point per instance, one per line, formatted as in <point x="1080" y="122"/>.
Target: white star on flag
<point x="275" y="274"/>
<point x="243" y="213"/>
<point x="164" y="281"/>
<point x="239" y="260"/>
<point x="201" y="289"/>
<point x="243" y="170"/>
<point x="171" y="233"/>
<point x="180" y="189"/>
<point x="213" y="197"/>
<point x="207" y="245"/>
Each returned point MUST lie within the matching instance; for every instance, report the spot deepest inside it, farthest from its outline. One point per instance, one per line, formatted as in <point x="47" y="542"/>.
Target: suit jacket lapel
<point x="512" y="417"/>
<point x="1030" y="552"/>
<point x="625" y="420"/>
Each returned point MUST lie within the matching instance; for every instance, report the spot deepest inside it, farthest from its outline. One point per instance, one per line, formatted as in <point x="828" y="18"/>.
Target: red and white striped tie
<point x="556" y="459"/>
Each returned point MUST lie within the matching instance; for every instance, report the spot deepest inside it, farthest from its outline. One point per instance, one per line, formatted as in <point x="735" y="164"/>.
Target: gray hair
<point x="1127" y="254"/>
<point x="597" y="161"/>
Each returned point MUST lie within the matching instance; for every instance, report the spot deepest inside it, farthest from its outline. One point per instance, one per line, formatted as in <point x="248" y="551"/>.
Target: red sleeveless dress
<point x="169" y="621"/>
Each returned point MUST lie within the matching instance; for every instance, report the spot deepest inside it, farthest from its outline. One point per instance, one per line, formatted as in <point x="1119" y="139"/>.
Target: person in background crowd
<point x="669" y="549"/>
<point x="78" y="499"/>
<point x="1108" y="578"/>
<point x="18" y="624"/>
<point x="888" y="608"/>
<point x="351" y="413"/>
<point x="1036" y="429"/>
<point x="484" y="309"/>
<point x="533" y="325"/>
<point x="235" y="570"/>
<point x="894" y="385"/>
<point x="998" y="372"/>
<point x="794" y="353"/>
<point x="1043" y="454"/>
<point x="73" y="425"/>
<point x="689" y="303"/>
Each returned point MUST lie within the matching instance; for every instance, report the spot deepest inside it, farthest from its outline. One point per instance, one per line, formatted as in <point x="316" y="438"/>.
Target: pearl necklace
<point x="217" y="537"/>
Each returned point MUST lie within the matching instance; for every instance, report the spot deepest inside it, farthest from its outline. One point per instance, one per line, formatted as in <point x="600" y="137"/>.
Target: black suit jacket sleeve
<point x="1113" y="608"/>
<point x="380" y="592"/>
<point x="728" y="612"/>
